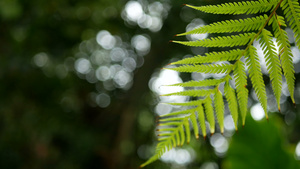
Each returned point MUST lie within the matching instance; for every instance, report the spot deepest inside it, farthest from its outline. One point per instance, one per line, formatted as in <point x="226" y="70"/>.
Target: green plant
<point x="174" y="127"/>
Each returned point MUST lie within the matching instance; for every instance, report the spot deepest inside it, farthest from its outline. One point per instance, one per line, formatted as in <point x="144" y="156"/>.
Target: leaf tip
<point x="197" y="136"/>
<point x="204" y="137"/>
<point x="170" y="41"/>
<point x="294" y="104"/>
<point x="183" y="5"/>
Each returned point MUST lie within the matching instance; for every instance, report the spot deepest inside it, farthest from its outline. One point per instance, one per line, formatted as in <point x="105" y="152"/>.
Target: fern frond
<point x="291" y="11"/>
<point x="207" y="82"/>
<point x="219" y="107"/>
<point x="249" y="24"/>
<point x="230" y="55"/>
<point x="195" y="124"/>
<point x="201" y="119"/>
<point x="189" y="103"/>
<point x="192" y="93"/>
<point x="182" y="112"/>
<point x="210" y="114"/>
<point x="273" y="63"/>
<point x="256" y="77"/>
<point x="186" y="125"/>
<point x="285" y="53"/>
<point x="211" y="68"/>
<point x="232" y="102"/>
<point x="242" y="91"/>
<point x="246" y="7"/>
<point x="220" y="41"/>
<point x="169" y="140"/>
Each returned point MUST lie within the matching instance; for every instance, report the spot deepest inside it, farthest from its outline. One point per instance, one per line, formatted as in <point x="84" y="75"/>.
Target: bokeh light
<point x="257" y="112"/>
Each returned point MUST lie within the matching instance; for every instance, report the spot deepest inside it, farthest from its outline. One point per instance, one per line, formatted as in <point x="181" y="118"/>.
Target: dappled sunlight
<point x="148" y="16"/>
<point x="257" y="112"/>
<point x="220" y="144"/>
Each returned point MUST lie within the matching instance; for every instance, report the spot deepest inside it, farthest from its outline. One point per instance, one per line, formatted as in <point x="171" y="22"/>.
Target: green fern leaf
<point x="221" y="41"/>
<point x="249" y="24"/>
<point x="219" y="107"/>
<point x="273" y="63"/>
<point x="256" y="77"/>
<point x="210" y="114"/>
<point x="246" y="7"/>
<point x="195" y="124"/>
<point x="201" y="119"/>
<point x="242" y="92"/>
<point x="182" y="112"/>
<point x="189" y="103"/>
<point x="212" y="68"/>
<point x="285" y="53"/>
<point x="232" y="102"/>
<point x="230" y="55"/>
<point x="291" y="10"/>
<point x="187" y="131"/>
<point x="192" y="93"/>
<point x="207" y="82"/>
<point x="182" y="136"/>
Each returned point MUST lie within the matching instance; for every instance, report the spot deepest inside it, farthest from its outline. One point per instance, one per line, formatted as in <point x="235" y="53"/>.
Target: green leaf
<point x="212" y="68"/>
<point x="201" y="119"/>
<point x="291" y="11"/>
<point x="248" y="24"/>
<point x="230" y="55"/>
<point x="219" y="107"/>
<point x="242" y="91"/>
<point x="273" y="63"/>
<point x="209" y="111"/>
<point x="285" y="53"/>
<point x="192" y="93"/>
<point x="256" y="77"/>
<point x="221" y="41"/>
<point x="232" y="102"/>
<point x="207" y="82"/>
<point x="195" y="124"/>
<point x="245" y="7"/>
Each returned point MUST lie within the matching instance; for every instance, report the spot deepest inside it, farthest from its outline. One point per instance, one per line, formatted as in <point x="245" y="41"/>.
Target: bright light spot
<point x="195" y="24"/>
<point x="103" y="100"/>
<point x="296" y="54"/>
<point x="209" y="165"/>
<point x="297" y="151"/>
<point x="182" y="156"/>
<point x="82" y="65"/>
<point x="40" y="59"/>
<point x="141" y="43"/>
<point x="133" y="10"/>
<point x="220" y="144"/>
<point x="103" y="73"/>
<point x="167" y="77"/>
<point x="179" y="156"/>
<point x="156" y="24"/>
<point x="105" y="39"/>
<point x="118" y="54"/>
<point x="257" y="112"/>
<point x="162" y="109"/>
<point x="129" y="64"/>
<point x="122" y="78"/>
<point x="145" y="21"/>
<point x="228" y="123"/>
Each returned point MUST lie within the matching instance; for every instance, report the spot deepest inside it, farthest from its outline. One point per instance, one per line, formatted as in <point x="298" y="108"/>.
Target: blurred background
<point x="80" y="84"/>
